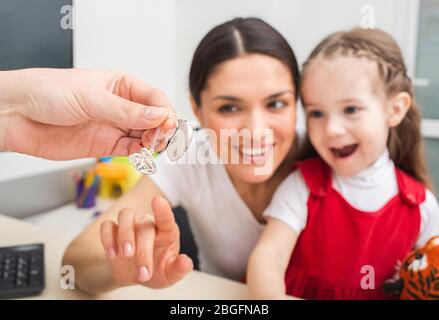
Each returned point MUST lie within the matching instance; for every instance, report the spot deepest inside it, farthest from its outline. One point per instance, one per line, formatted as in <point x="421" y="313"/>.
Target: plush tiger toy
<point x="418" y="276"/>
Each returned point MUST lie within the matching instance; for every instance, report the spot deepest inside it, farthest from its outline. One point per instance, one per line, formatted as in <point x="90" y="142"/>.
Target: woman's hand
<point x="76" y="113"/>
<point x="141" y="249"/>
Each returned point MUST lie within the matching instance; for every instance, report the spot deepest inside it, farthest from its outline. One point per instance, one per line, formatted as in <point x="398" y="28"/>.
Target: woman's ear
<point x="196" y="109"/>
<point x="399" y="105"/>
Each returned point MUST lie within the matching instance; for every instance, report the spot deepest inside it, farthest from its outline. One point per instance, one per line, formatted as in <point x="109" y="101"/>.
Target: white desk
<point x="196" y="285"/>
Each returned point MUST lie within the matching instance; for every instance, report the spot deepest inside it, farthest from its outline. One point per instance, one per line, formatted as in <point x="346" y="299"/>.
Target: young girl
<point x="351" y="213"/>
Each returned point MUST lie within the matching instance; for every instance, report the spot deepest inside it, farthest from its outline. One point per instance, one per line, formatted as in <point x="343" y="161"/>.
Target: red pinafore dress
<point x="346" y="253"/>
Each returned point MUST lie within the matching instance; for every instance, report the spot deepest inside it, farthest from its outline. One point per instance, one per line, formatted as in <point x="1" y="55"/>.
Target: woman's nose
<point x="257" y="121"/>
<point x="258" y="124"/>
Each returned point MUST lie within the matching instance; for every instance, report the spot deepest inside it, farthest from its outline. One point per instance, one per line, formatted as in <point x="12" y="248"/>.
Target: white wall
<point x="136" y="36"/>
<point x="155" y="39"/>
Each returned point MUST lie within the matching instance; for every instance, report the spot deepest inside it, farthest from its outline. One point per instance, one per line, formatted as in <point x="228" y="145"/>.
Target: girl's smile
<point x="344" y="152"/>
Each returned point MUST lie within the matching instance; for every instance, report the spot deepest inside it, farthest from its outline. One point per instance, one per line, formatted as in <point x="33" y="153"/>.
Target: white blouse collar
<point x="377" y="173"/>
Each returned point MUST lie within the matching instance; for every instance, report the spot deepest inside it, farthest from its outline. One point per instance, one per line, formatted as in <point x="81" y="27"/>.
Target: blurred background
<point x="155" y="40"/>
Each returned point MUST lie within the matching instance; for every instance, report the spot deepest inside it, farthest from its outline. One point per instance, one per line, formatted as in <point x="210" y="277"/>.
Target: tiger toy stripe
<point x="418" y="275"/>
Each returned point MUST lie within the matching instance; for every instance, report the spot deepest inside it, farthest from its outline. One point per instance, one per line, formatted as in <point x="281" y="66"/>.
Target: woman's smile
<point x="256" y="155"/>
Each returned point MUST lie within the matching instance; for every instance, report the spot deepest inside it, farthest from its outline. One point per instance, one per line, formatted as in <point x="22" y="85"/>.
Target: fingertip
<point x="111" y="252"/>
<point x="128" y="249"/>
<point x="154" y="204"/>
<point x="143" y="274"/>
<point x="155" y="113"/>
<point x="103" y="226"/>
<point x="154" y="199"/>
<point x="107" y="231"/>
<point x="168" y="125"/>
<point x="185" y="263"/>
<point x="179" y="268"/>
<point x="160" y="205"/>
<point x="157" y="200"/>
<point x="141" y="117"/>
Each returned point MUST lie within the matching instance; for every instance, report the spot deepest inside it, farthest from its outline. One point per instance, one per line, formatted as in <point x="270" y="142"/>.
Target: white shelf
<point x="14" y="166"/>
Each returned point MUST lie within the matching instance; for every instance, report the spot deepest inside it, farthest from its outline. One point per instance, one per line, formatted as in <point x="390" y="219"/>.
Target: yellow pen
<point x="89" y="178"/>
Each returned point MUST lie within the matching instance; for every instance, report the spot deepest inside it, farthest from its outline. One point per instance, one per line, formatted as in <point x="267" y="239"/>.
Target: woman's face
<point x="250" y="100"/>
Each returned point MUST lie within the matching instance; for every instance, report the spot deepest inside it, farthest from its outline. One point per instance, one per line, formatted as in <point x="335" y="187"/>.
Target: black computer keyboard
<point x="21" y="271"/>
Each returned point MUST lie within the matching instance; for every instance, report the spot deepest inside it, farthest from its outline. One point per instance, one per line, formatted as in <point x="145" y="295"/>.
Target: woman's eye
<point x="315" y="114"/>
<point x="351" y="110"/>
<point x="228" y="108"/>
<point x="276" y="104"/>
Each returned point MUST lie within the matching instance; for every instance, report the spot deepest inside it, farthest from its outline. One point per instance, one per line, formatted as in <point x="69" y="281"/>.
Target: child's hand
<point x="142" y="251"/>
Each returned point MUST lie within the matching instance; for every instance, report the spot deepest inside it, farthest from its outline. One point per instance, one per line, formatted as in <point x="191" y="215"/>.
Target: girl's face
<point x="347" y="117"/>
<point x="252" y="94"/>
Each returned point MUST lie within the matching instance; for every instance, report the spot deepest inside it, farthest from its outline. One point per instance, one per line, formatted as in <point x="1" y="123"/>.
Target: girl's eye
<point x="228" y="108"/>
<point x="277" y="104"/>
<point x="351" y="110"/>
<point x="315" y="114"/>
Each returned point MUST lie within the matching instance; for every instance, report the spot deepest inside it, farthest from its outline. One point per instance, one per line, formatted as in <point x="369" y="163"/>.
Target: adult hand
<point x="145" y="250"/>
<point x="78" y="113"/>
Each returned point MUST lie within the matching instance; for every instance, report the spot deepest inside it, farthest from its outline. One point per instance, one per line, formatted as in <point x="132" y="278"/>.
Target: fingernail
<point x="128" y="249"/>
<point x="143" y="274"/>
<point x="153" y="113"/>
<point x="111" y="252"/>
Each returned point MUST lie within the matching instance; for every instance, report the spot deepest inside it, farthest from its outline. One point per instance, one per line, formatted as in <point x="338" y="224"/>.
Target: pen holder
<point x="85" y="196"/>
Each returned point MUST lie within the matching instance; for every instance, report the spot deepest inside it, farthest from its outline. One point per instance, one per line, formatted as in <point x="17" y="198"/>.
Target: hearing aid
<point x="178" y="143"/>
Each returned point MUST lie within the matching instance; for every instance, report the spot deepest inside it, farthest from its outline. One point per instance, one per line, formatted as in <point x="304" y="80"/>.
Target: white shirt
<point x="369" y="191"/>
<point x="224" y="228"/>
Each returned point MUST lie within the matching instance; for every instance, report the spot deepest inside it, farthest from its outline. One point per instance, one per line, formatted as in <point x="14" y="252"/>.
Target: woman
<point x="244" y="77"/>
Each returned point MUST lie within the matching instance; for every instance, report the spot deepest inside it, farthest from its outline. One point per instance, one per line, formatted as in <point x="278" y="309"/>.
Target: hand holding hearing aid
<point x="78" y="113"/>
